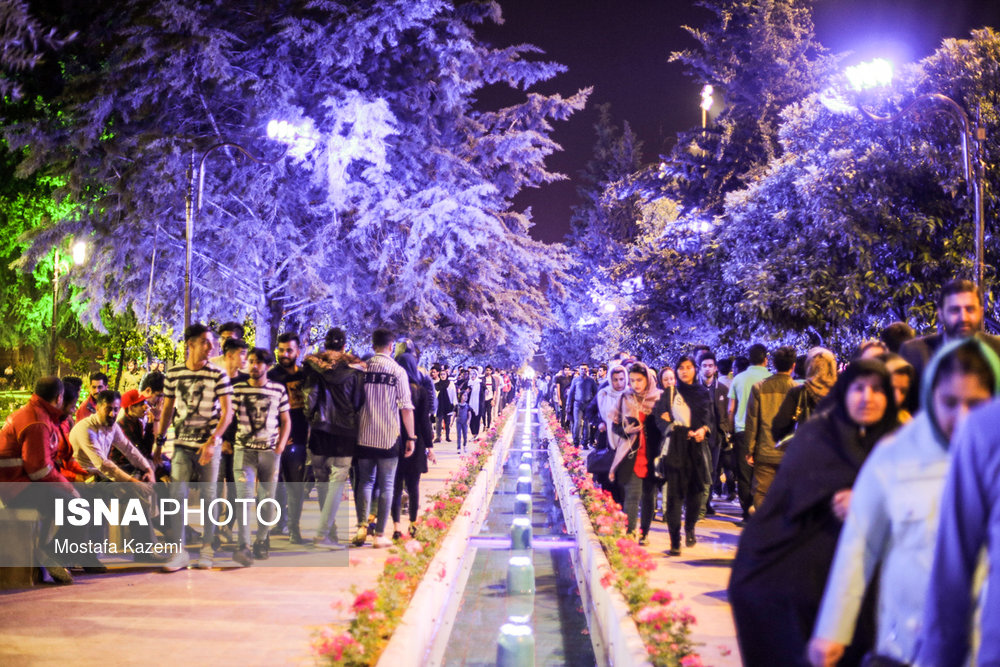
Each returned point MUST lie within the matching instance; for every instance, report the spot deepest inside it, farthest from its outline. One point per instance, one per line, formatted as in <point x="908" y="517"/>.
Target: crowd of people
<point x="241" y="421"/>
<point x="867" y="487"/>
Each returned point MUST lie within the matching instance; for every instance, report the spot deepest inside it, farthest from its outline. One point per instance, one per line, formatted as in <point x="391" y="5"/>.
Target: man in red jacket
<point x="28" y="444"/>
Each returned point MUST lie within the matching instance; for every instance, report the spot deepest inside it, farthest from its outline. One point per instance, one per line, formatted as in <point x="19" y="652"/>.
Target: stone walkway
<point x="267" y="615"/>
<point x="701" y="574"/>
<point x="228" y="616"/>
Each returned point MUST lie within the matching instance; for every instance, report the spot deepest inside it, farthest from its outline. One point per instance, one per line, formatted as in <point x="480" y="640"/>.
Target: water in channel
<point x="556" y="612"/>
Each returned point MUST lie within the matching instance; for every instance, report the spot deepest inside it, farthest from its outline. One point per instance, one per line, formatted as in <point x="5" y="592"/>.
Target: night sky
<point x="621" y="48"/>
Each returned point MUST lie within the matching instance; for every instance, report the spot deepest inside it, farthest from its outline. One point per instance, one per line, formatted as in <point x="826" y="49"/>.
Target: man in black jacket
<point x="718" y="438"/>
<point x="335" y="394"/>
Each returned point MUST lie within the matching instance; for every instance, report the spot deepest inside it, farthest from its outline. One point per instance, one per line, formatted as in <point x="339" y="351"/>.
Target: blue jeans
<point x="334" y="471"/>
<point x="183" y="465"/>
<point x="462" y="425"/>
<point x="581" y="427"/>
<point x="367" y="468"/>
<point x="256" y="470"/>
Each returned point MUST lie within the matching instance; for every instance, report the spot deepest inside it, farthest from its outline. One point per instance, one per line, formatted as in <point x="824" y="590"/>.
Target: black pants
<point x="474" y="420"/>
<point x="487" y="414"/>
<point x="410" y="477"/>
<point x="292" y="468"/>
<point x="693" y="504"/>
<point x="227" y="477"/>
<point x="744" y="472"/>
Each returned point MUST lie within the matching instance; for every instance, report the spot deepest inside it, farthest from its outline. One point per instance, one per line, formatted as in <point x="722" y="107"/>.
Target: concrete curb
<point x="414" y="636"/>
<point x="607" y="610"/>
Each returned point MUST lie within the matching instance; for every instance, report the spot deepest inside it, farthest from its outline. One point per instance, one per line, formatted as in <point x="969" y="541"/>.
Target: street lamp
<point x="79" y="254"/>
<point x="877" y="73"/>
<point x="298" y="141"/>
<point x="706" y="103"/>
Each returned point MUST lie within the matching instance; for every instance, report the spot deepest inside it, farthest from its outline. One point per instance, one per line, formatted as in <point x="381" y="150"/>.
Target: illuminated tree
<point x="401" y="215"/>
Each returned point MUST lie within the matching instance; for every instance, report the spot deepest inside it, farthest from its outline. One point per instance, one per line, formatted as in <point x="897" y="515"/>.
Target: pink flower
<point x="364" y="602"/>
<point x="662" y="596"/>
<point x="693" y="660"/>
<point x="413" y="547"/>
<point x="401" y="576"/>
<point x="393" y="560"/>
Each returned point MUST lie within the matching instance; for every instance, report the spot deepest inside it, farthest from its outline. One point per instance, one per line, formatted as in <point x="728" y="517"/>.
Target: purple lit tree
<point x="400" y="216"/>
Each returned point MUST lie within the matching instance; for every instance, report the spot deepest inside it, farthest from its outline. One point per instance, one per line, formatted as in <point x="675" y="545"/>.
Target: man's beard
<point x="286" y="362"/>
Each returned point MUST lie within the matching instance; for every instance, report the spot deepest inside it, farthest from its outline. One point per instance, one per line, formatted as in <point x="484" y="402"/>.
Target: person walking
<point x="786" y="549"/>
<point x="632" y="467"/>
<point x="412" y="466"/>
<point x="387" y="402"/>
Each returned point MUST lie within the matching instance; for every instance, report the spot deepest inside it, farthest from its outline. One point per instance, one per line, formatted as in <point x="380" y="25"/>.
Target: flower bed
<point x="664" y="626"/>
<point x="378" y="611"/>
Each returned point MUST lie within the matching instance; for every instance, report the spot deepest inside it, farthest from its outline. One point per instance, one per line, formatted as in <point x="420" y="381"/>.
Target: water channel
<point x="555" y="613"/>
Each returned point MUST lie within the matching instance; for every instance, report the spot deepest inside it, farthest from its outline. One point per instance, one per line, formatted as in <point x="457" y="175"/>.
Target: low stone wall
<point x="413" y="638"/>
<point x="607" y="611"/>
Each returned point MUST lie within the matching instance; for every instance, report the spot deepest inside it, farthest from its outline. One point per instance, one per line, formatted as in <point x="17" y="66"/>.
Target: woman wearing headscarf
<point x="802" y="400"/>
<point x="683" y="414"/>
<point x="411" y="467"/>
<point x="475" y="406"/>
<point x="787" y="547"/>
<point x="892" y="523"/>
<point x="632" y="468"/>
<point x="608" y="399"/>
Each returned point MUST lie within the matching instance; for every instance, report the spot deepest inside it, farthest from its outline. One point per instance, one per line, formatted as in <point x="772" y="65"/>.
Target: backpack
<point x="334" y="398"/>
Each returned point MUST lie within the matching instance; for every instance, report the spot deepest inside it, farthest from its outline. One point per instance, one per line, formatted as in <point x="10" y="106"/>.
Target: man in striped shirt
<point x="387" y="398"/>
<point x="262" y="429"/>
<point x="197" y="402"/>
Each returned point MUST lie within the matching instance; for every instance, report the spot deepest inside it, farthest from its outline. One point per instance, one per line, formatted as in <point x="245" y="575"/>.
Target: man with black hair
<point x="292" y="465"/>
<point x="739" y="397"/>
<point x="28" y="444"/>
<point x="234" y="360"/>
<point x="197" y="404"/>
<point x="229" y="330"/>
<point x="765" y="400"/>
<point x="335" y="396"/>
<point x="961" y="313"/>
<point x="718" y="437"/>
<point x="260" y="410"/>
<point x="94" y="438"/>
<point x="387" y="400"/>
<point x="560" y="394"/>
<point x="98" y="383"/>
<point x="582" y="390"/>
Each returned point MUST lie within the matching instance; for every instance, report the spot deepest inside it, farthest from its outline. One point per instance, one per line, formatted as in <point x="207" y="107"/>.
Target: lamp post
<point x="879" y="73"/>
<point x="296" y="141"/>
<point x="79" y="255"/>
<point x="706" y="103"/>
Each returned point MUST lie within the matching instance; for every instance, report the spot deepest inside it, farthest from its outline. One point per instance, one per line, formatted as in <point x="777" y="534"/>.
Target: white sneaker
<point x="327" y="543"/>
<point x="382" y="542"/>
<point x="178" y="562"/>
<point x="203" y="563"/>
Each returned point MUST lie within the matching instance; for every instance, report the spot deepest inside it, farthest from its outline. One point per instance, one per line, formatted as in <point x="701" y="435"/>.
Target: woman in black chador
<point x="787" y="547"/>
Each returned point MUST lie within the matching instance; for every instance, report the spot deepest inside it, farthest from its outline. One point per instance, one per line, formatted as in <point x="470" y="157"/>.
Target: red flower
<point x="364" y="602"/>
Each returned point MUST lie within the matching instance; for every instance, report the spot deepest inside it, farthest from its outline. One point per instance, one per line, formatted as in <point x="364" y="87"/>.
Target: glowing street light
<point x="706" y="103"/>
<point x="298" y="140"/>
<point x="875" y="73"/>
<point x="79" y="255"/>
<point x="878" y="73"/>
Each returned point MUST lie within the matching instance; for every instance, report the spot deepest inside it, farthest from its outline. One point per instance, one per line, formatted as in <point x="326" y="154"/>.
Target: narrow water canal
<point x="555" y="611"/>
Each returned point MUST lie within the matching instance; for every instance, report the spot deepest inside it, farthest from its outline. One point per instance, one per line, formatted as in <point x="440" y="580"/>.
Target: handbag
<point x="599" y="461"/>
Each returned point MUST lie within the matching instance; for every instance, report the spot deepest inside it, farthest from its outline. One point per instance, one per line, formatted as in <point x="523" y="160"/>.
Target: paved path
<point x="231" y="616"/>
<point x="701" y="574"/>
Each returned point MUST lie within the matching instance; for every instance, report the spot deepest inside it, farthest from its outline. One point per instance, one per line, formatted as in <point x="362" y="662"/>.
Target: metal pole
<point x="55" y="314"/>
<point x="972" y="164"/>
<point x="188" y="233"/>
